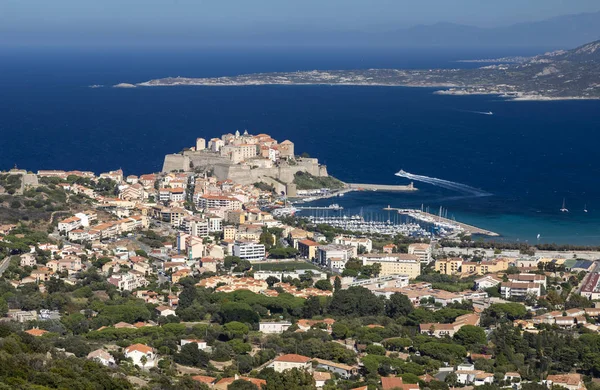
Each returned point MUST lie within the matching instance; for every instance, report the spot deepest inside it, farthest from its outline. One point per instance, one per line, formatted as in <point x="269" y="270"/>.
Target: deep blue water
<point x="529" y="155"/>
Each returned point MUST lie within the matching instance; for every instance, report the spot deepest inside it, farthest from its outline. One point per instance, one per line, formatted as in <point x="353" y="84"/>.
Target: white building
<point x="66" y="225"/>
<point x="290" y="361"/>
<point x="486" y="282"/>
<point x="201" y="343"/>
<point x="274" y="327"/>
<point x="215" y="224"/>
<point x="165" y="311"/>
<point x="137" y="353"/>
<point x="102" y="357"/>
<point x="27" y="260"/>
<point x="335" y="256"/>
<point x="422" y="251"/>
<point x="249" y="250"/>
<point x="519" y="289"/>
<point x="128" y="281"/>
<point x="365" y="243"/>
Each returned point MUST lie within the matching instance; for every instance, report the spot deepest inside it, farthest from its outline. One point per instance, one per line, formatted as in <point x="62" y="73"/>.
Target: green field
<point x="283" y="266"/>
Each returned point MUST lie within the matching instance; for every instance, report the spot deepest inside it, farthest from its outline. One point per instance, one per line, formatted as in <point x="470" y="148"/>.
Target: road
<point x="4" y="265"/>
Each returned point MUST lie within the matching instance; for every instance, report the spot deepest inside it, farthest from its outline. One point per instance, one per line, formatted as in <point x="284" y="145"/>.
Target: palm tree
<point x="143" y="360"/>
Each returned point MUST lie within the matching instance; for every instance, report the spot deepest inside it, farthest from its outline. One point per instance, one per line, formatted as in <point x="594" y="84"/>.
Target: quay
<point x="432" y="218"/>
<point x="333" y="207"/>
<point x="381" y="187"/>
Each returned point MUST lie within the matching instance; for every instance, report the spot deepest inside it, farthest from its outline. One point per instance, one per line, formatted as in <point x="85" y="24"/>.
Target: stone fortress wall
<point x="224" y="169"/>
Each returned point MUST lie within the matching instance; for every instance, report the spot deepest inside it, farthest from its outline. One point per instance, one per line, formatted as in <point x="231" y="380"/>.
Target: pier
<point x="333" y="207"/>
<point x="381" y="187"/>
<point x="435" y="219"/>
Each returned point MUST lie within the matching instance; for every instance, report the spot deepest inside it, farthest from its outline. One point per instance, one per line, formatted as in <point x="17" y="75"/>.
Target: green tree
<point x="324" y="284"/>
<point x="398" y="306"/>
<point x="241" y="384"/>
<point x="470" y="335"/>
<point x="271" y="280"/>
<point x="337" y="284"/>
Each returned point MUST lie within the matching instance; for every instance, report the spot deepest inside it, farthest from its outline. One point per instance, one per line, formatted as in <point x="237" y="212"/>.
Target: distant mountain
<point x="566" y="31"/>
<point x="563" y="31"/>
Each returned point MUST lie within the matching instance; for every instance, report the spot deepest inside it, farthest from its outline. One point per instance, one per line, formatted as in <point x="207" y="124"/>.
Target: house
<point x="486" y="282"/>
<point x="389" y="248"/>
<point x="141" y="355"/>
<point x="224" y="383"/>
<point x="568" y="381"/>
<point x="66" y="225"/>
<point x="439" y="330"/>
<point x="27" y="260"/>
<point x="165" y="311"/>
<point x="201" y="343"/>
<point x="289" y="361"/>
<point x="321" y="378"/>
<point x="512" y="377"/>
<point x="483" y="378"/>
<point x="102" y="357"/>
<point x="274" y="327"/>
<point x="343" y="370"/>
<point x="389" y="383"/>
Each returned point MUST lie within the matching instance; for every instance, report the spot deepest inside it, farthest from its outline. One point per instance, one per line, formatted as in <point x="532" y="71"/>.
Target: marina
<point x="442" y="222"/>
<point x="357" y="223"/>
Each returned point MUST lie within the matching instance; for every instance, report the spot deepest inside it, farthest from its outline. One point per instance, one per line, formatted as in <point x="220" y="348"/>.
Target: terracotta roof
<point x="321" y="376"/>
<point x="293" y="358"/>
<point x="139" y="347"/>
<point x="228" y="381"/>
<point x="391" y="382"/>
<point x="36" y="332"/>
<point x="204" y="379"/>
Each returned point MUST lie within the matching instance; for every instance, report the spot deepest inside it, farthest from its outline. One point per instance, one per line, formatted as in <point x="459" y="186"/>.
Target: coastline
<point x="515" y="96"/>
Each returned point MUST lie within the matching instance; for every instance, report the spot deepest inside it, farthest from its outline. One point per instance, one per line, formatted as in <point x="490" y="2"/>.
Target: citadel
<point x="246" y="159"/>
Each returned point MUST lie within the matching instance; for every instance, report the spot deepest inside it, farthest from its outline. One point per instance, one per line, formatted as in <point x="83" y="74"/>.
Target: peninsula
<point x="572" y="74"/>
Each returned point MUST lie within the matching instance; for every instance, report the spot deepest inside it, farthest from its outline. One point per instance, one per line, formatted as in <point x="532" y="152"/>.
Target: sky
<point x="73" y="20"/>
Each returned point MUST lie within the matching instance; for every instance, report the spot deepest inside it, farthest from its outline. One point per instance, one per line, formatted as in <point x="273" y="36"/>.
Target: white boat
<point x="564" y="209"/>
<point x="585" y="208"/>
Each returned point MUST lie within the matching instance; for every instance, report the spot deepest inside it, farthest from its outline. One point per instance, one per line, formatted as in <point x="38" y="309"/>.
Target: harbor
<point x="442" y="222"/>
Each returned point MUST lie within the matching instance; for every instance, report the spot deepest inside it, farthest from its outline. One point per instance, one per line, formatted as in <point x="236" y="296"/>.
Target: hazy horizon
<point x="148" y="22"/>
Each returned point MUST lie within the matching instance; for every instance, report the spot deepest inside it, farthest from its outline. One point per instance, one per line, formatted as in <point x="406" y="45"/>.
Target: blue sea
<point x="528" y="155"/>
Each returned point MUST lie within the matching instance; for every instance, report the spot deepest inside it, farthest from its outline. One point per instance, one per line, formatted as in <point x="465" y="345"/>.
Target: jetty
<point x="381" y="187"/>
<point x="439" y="220"/>
<point x="334" y="207"/>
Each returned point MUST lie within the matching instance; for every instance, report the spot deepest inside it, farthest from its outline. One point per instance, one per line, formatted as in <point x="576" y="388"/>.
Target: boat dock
<point x="432" y="218"/>
<point x="334" y="207"/>
<point x="381" y="187"/>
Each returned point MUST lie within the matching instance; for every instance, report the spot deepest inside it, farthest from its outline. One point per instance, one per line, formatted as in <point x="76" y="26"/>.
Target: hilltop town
<point x="190" y="278"/>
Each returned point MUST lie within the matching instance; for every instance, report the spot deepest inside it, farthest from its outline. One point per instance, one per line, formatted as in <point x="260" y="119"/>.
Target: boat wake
<point x="478" y="112"/>
<point x="450" y="185"/>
